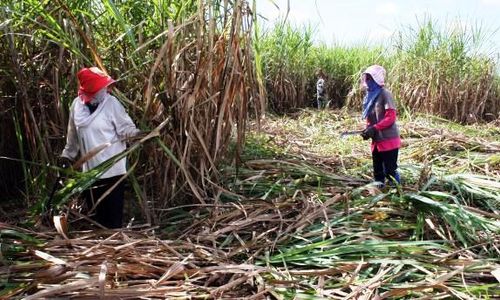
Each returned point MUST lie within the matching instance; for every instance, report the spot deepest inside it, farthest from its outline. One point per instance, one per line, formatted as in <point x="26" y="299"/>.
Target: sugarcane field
<point x="198" y="149"/>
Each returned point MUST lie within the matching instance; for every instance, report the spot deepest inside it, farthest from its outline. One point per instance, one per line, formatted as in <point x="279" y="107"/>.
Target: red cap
<point x="92" y="80"/>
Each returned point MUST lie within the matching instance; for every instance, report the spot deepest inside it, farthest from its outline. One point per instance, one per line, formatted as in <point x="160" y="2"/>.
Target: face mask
<point x="371" y="84"/>
<point x="99" y="96"/>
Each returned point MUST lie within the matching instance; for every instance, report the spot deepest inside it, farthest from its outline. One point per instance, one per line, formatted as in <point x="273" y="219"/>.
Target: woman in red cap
<point x="379" y="111"/>
<point x="96" y="118"/>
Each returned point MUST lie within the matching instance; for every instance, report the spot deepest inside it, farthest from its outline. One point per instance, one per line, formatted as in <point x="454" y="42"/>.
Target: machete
<point x="348" y="133"/>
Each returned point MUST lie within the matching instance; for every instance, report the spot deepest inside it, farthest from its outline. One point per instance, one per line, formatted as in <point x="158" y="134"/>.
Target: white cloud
<point x="388" y="8"/>
<point x="298" y="16"/>
<point x="490" y="2"/>
<point x="380" y="34"/>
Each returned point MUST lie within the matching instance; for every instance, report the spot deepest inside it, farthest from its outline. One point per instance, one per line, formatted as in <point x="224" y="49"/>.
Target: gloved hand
<point x="369" y="132"/>
<point x="143" y="133"/>
<point x="64" y="162"/>
<point x="137" y="136"/>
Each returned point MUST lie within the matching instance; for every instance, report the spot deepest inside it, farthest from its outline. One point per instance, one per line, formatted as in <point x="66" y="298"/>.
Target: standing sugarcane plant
<point x="188" y="62"/>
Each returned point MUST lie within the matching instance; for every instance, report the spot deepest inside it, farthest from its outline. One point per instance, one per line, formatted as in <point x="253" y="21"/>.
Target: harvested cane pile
<point x="121" y="265"/>
<point x="281" y="229"/>
<point x="255" y="250"/>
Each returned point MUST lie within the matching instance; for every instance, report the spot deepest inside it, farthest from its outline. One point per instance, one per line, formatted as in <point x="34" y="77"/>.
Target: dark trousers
<point x="321" y="102"/>
<point x="385" y="165"/>
<point x="109" y="211"/>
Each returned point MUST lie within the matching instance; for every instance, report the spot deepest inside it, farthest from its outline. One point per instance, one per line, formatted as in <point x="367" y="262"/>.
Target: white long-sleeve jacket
<point x="109" y="123"/>
<point x="320" y="87"/>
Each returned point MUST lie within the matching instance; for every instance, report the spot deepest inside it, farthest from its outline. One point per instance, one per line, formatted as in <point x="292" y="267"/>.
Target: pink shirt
<point x="386" y="122"/>
<point x="387" y="145"/>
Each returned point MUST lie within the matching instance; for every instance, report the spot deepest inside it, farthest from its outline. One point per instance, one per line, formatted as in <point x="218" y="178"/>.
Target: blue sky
<point x="360" y="21"/>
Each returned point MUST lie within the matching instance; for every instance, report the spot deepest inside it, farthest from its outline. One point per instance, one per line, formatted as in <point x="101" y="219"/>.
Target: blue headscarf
<point x="373" y="91"/>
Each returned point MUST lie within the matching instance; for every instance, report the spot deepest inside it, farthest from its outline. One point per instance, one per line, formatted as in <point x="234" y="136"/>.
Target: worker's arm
<point x="388" y="120"/>
<point x="124" y="125"/>
<point x="72" y="146"/>
<point x="390" y="111"/>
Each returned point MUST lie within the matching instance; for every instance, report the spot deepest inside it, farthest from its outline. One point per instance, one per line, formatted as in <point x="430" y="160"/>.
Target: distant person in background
<point x="320" y="90"/>
<point x="96" y="117"/>
<point x="379" y="111"/>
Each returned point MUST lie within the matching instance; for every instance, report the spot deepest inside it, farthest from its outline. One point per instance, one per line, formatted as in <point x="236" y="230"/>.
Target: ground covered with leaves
<point x="298" y="219"/>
